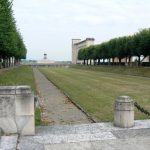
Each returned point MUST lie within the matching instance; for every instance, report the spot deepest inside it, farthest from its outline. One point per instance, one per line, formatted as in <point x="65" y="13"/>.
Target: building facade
<point x="77" y="44"/>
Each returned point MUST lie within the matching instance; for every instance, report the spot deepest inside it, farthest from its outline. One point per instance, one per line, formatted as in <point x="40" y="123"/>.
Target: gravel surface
<point x="60" y="110"/>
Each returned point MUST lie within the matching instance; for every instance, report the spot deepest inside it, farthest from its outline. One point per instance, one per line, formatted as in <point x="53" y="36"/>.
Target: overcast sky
<point x="48" y="26"/>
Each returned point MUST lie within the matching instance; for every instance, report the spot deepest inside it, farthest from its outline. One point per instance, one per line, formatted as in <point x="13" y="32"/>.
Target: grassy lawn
<point x="136" y="71"/>
<point x="96" y="91"/>
<point x="21" y="76"/>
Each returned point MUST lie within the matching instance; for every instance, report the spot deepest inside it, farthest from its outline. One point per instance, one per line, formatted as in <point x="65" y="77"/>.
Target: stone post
<point x="25" y="110"/>
<point x="17" y="110"/>
<point x="0" y="134"/>
<point x="124" y="112"/>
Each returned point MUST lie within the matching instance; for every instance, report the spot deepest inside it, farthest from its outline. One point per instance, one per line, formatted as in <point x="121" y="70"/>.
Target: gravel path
<point x="60" y="110"/>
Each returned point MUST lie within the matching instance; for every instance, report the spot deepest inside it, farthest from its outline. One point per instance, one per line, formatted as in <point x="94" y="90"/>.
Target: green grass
<point x="136" y="71"/>
<point x="21" y="76"/>
<point x="96" y="91"/>
<point x="38" y="120"/>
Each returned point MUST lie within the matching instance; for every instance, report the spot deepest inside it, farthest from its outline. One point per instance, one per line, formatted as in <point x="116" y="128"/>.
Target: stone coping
<point x="15" y="90"/>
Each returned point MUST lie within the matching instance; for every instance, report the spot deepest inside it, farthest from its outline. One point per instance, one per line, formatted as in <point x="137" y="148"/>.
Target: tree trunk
<point x="139" y="60"/>
<point x="129" y="63"/>
<point x="84" y="62"/>
<point x="4" y="62"/>
<point x="109" y="61"/>
<point x="103" y="61"/>
<point x="90" y="61"/>
<point x="99" y="61"/>
<point x="0" y="62"/>
<point x="119" y="61"/>
<point x="87" y="62"/>
<point x="113" y="59"/>
<point x="9" y="61"/>
<point x="126" y="59"/>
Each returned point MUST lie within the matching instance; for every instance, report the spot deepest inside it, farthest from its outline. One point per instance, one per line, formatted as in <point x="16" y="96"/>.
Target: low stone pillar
<point x="17" y="110"/>
<point x="124" y="112"/>
<point x="0" y="134"/>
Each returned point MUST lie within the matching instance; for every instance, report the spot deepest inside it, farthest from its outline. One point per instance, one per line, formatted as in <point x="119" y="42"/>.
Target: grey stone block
<point x="25" y="125"/>
<point x="7" y="90"/>
<point x="8" y="142"/>
<point x="20" y="90"/>
<point x="8" y="125"/>
<point x="24" y="105"/>
<point x="17" y="110"/>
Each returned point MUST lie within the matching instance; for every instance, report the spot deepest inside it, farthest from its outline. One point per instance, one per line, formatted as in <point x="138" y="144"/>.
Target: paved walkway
<point x="59" y="109"/>
<point x="96" y="136"/>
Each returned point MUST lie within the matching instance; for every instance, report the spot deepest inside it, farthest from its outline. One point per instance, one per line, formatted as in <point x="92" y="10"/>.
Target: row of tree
<point x="121" y="49"/>
<point x="12" y="47"/>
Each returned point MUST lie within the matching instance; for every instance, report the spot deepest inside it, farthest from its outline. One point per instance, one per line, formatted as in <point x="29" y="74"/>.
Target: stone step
<point x="84" y="133"/>
<point x="87" y="128"/>
<point x="70" y="138"/>
<point x="8" y="142"/>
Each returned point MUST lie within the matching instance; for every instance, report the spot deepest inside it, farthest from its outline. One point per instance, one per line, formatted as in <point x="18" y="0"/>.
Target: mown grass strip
<point x="134" y="71"/>
<point x="96" y="91"/>
<point x="18" y="76"/>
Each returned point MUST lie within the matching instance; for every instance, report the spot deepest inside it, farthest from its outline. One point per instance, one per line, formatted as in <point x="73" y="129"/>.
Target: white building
<point x="45" y="60"/>
<point x="77" y="44"/>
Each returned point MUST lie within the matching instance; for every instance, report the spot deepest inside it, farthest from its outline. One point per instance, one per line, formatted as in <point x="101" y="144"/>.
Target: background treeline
<point x="12" y="48"/>
<point x="119" y="51"/>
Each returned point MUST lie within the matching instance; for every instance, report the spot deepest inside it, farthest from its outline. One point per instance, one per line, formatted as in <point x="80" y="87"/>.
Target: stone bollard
<point x="124" y="112"/>
<point x="0" y="134"/>
<point x="17" y="110"/>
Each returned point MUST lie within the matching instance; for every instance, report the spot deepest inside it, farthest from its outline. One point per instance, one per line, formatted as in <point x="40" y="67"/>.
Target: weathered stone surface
<point x="0" y="133"/>
<point x="8" y="125"/>
<point x="88" y="128"/>
<point x="134" y="133"/>
<point x="122" y="144"/>
<point x="20" y="90"/>
<point x="87" y="137"/>
<point x="118" y="144"/>
<point x="124" y="112"/>
<point x="8" y="142"/>
<point x="25" y="125"/>
<point x="32" y="142"/>
<point x="71" y="146"/>
<point x="24" y="105"/>
<point x="7" y="90"/>
<point x="26" y="144"/>
<point x="7" y="105"/>
<point x="7" y="114"/>
<point x="17" y="110"/>
<point x="25" y="113"/>
<point x="124" y="103"/>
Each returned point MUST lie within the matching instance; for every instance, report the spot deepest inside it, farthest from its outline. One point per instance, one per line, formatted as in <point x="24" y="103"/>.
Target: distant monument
<point x="45" y="56"/>
<point x="77" y="44"/>
<point x="45" y="60"/>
